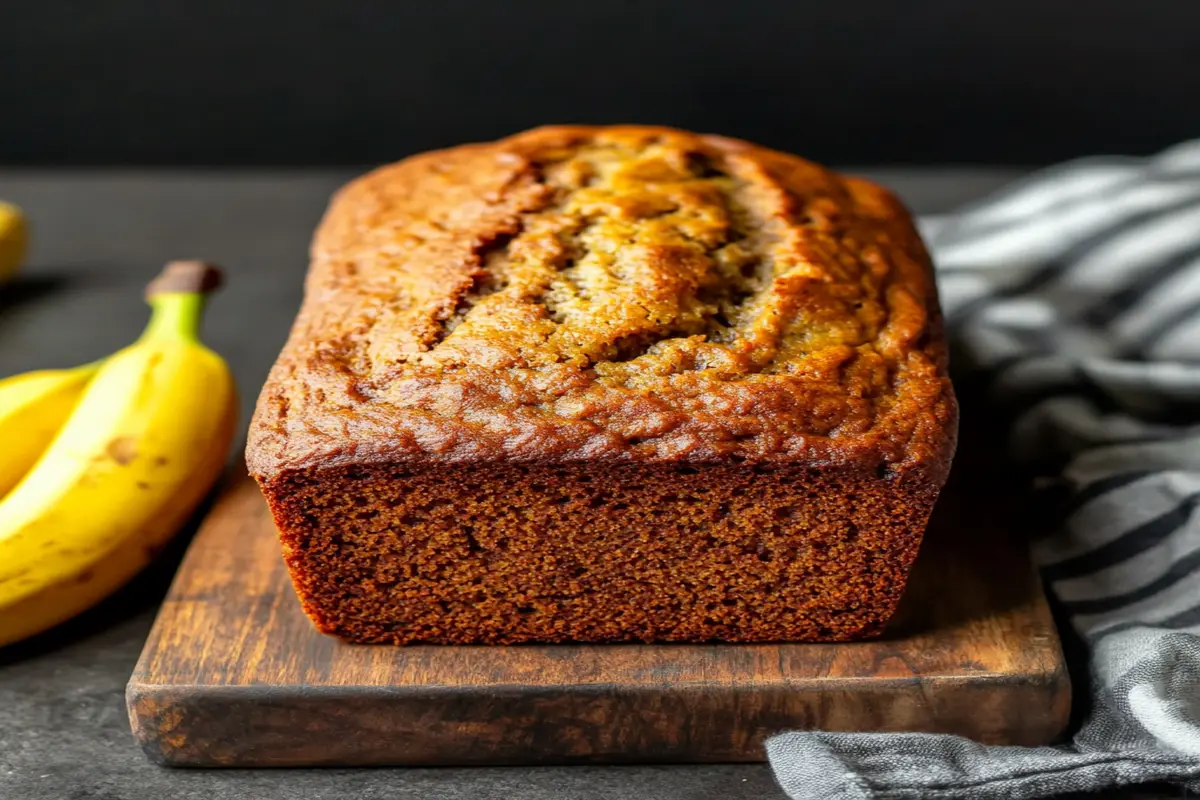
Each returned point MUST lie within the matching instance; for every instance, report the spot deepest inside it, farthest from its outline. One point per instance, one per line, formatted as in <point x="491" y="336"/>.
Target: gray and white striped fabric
<point x="1078" y="290"/>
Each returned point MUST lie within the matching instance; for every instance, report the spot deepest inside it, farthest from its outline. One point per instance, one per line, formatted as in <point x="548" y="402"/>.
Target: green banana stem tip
<point x="177" y="298"/>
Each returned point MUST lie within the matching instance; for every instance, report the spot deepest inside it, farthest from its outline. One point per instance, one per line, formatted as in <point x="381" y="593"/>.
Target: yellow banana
<point x="33" y="407"/>
<point x="14" y="239"/>
<point x="142" y="447"/>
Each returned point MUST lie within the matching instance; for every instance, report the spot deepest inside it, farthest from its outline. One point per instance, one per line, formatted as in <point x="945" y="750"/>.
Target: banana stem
<point x="176" y="300"/>
<point x="175" y="315"/>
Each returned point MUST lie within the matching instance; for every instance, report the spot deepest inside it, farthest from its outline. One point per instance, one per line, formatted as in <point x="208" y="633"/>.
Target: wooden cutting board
<point x="233" y="674"/>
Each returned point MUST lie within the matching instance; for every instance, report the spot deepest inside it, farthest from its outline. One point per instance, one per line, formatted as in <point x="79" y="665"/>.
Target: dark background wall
<point x="329" y="82"/>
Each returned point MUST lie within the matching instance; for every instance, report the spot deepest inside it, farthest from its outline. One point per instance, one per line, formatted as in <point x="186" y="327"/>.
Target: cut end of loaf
<point x="574" y="553"/>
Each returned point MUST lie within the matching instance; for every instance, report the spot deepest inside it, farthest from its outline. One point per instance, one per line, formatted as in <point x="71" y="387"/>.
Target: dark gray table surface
<point x="99" y="236"/>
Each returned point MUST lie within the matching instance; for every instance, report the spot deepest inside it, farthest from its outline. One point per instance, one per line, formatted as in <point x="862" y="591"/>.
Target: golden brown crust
<point x="597" y="384"/>
<point x="612" y="294"/>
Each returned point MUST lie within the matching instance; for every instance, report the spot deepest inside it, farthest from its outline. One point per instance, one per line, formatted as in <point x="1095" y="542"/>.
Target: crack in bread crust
<point x="612" y="294"/>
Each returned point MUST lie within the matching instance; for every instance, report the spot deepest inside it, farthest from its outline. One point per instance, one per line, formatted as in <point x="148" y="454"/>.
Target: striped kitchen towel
<point x="1077" y="290"/>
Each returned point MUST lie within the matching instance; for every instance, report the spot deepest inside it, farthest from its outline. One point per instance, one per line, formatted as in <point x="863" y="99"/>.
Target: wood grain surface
<point x="233" y="674"/>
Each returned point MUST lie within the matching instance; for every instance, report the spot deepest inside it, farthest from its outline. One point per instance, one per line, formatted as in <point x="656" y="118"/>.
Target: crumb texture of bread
<point x="633" y="552"/>
<point x="604" y="384"/>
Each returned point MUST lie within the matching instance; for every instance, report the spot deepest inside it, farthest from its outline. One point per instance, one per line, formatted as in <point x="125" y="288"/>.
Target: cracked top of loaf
<point x="612" y="293"/>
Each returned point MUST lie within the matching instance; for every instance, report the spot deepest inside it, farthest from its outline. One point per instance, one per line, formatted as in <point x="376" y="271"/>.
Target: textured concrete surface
<point x="99" y="238"/>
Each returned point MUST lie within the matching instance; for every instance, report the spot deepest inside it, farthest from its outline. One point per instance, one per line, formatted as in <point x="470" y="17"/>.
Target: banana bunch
<point x="101" y="464"/>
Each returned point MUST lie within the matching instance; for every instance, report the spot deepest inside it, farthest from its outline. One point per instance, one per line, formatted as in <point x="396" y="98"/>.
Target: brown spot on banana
<point x="122" y="450"/>
<point x="84" y="576"/>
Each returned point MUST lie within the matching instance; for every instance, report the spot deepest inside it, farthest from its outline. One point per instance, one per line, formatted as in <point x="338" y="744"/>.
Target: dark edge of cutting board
<point x="233" y="674"/>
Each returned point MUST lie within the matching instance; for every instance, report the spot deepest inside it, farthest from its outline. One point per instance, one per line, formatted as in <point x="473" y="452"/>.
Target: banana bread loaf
<point x="607" y="383"/>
